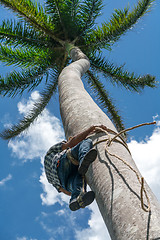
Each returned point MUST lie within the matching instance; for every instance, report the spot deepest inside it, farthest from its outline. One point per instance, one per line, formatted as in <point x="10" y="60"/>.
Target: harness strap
<point x="58" y="162"/>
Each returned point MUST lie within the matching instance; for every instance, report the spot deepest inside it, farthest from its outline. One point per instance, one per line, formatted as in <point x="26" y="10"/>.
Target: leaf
<point x="120" y="22"/>
<point x="23" y="57"/>
<point x="120" y="76"/>
<point x="19" y="33"/>
<point x="16" y="82"/>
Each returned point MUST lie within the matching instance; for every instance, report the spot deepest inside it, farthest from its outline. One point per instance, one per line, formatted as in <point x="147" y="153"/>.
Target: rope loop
<point x="109" y="141"/>
<point x="148" y="208"/>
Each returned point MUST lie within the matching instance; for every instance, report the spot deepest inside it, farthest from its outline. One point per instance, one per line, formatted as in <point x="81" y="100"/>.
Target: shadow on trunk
<point x="125" y="182"/>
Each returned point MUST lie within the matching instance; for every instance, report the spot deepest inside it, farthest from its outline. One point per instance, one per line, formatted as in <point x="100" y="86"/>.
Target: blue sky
<point x="30" y="208"/>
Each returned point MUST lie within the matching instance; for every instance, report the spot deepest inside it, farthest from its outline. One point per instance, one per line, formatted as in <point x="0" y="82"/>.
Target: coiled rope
<point x="109" y="141"/>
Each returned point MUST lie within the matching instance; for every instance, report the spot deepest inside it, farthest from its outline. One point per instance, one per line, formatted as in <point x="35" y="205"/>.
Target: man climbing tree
<point x="66" y="163"/>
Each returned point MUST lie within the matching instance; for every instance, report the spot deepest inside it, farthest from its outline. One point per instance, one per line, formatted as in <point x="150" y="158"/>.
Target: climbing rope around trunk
<point x="109" y="141"/>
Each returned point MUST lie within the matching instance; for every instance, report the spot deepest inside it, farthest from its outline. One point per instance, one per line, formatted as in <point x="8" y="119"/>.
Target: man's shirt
<point x="50" y="164"/>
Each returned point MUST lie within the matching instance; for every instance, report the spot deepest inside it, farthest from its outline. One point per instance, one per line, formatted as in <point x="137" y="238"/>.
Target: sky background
<point x="30" y="208"/>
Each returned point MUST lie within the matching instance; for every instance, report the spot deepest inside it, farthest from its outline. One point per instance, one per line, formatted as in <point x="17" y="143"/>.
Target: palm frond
<point x="90" y="10"/>
<point x="57" y="9"/>
<point x="23" y="57"/>
<point x="74" y="6"/>
<point x="122" y="77"/>
<point x="104" y="99"/>
<point x="19" y="33"/>
<point x="16" y="82"/>
<point x="34" y="14"/>
<point x="66" y="15"/>
<point x="121" y="21"/>
<point x="36" y="110"/>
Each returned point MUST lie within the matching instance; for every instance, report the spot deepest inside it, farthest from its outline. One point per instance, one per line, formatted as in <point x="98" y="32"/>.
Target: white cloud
<point x="52" y="231"/>
<point x="45" y="132"/>
<point x="49" y="196"/>
<point x="97" y="229"/>
<point x="21" y="238"/>
<point x="25" y="238"/>
<point x="25" y="106"/>
<point x="34" y="143"/>
<point x="6" y="179"/>
<point x="147" y="157"/>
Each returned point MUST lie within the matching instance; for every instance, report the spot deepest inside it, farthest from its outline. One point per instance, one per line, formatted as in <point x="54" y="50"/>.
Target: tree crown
<point x="37" y="42"/>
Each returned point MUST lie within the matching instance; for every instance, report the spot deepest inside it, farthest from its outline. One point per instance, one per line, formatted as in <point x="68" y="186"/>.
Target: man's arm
<point x="64" y="191"/>
<point x="81" y="136"/>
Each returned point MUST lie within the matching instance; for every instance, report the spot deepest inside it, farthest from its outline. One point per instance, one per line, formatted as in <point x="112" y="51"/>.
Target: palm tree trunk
<point x="115" y="185"/>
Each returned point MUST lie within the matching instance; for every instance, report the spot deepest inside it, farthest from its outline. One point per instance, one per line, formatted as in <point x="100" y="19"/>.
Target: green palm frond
<point x="91" y="9"/>
<point x="16" y="82"/>
<point x="56" y="8"/>
<point x="120" y="76"/>
<point x="23" y="57"/>
<point x="105" y="100"/>
<point x="36" y="110"/>
<point x="34" y="14"/>
<point x="121" y="21"/>
<point x="19" y="33"/>
<point x="66" y="16"/>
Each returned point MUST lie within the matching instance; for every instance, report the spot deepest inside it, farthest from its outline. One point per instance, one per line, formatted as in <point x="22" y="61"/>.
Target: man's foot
<point x="87" y="160"/>
<point x="83" y="200"/>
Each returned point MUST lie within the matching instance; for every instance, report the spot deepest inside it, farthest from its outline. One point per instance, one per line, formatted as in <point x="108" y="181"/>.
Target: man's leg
<point x="64" y="170"/>
<point x="85" y="154"/>
<point x="73" y="182"/>
<point x="79" y="198"/>
<point x="69" y="177"/>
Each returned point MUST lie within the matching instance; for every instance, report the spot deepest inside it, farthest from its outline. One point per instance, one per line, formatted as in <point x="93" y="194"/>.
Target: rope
<point x="131" y="128"/>
<point x="109" y="140"/>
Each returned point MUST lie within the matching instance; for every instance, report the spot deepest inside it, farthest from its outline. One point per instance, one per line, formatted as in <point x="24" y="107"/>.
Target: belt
<point x="71" y="158"/>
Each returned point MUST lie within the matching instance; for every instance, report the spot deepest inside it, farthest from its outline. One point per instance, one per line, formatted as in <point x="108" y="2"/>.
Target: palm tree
<point x="43" y="42"/>
<point x="37" y="43"/>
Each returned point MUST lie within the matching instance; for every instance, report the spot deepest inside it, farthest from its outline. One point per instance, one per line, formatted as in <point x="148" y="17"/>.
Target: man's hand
<point x="98" y="128"/>
<point x="64" y="191"/>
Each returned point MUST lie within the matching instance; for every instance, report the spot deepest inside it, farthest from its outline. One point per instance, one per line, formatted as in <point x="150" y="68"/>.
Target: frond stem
<point x="59" y="14"/>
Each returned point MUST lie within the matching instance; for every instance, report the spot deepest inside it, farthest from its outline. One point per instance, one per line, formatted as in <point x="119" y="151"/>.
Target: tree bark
<point x="115" y="185"/>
